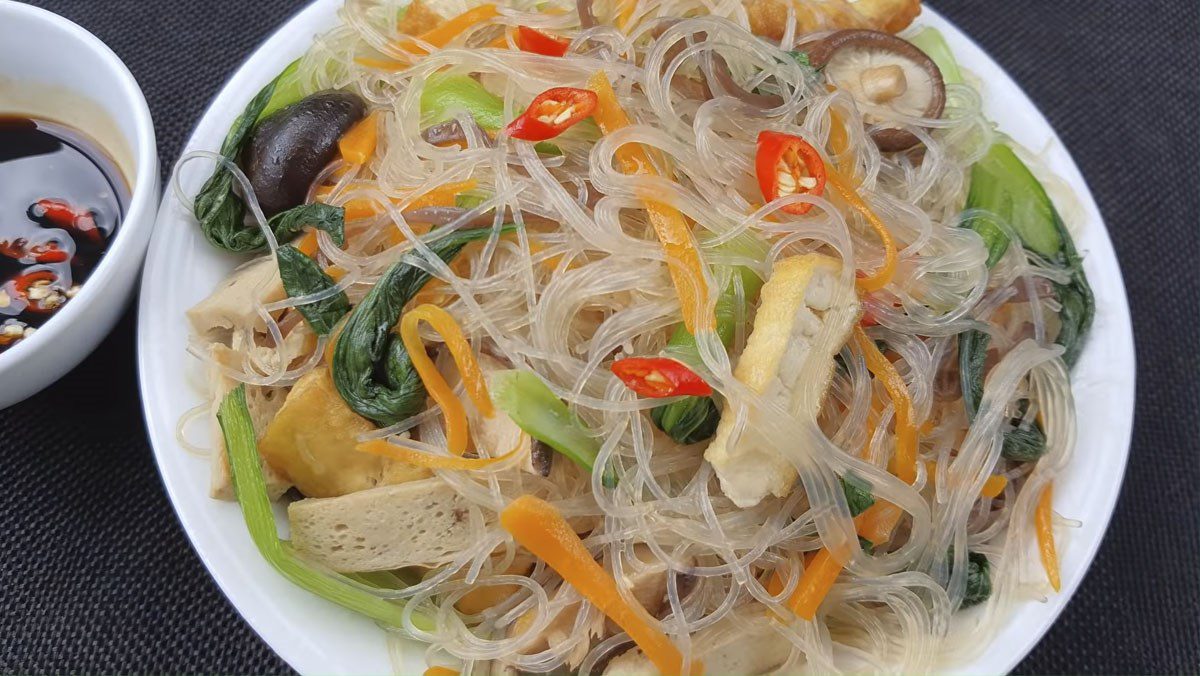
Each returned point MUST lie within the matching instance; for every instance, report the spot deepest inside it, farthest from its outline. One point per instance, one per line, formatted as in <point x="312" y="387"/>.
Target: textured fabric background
<point x="96" y="574"/>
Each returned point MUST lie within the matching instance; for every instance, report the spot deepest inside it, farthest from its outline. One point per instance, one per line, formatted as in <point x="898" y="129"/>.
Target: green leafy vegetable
<point x="1001" y="184"/>
<point x="222" y="214"/>
<point x="931" y="42"/>
<point x="694" y="419"/>
<point x="250" y="488"/>
<point x="979" y="580"/>
<point x="688" y="421"/>
<point x="534" y="408"/>
<point x="446" y="95"/>
<point x="302" y="276"/>
<point x="1024" y="444"/>
<point x="858" y="493"/>
<point x="972" y="354"/>
<point x="371" y="369"/>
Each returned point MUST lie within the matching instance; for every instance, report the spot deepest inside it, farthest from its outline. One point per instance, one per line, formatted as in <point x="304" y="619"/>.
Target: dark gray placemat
<point x="97" y="576"/>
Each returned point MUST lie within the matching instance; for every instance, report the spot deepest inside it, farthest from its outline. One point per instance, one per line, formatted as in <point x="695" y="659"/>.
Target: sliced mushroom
<point x="883" y="71"/>
<point x="290" y="148"/>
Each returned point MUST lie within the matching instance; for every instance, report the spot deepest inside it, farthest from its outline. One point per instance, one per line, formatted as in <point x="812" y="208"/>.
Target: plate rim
<point x="307" y="658"/>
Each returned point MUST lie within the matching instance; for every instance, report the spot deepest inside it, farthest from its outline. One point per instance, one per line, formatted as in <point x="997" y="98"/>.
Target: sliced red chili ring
<point x="788" y="165"/>
<point x="552" y="112"/>
<point x="536" y="42"/>
<point x="49" y="253"/>
<point x="658" y="377"/>
<point x="61" y="214"/>
<point x="22" y="284"/>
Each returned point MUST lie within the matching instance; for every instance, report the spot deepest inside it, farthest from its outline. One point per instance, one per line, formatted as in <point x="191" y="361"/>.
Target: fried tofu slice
<point x="768" y="18"/>
<point x="311" y="442"/>
<point x="805" y="317"/>
<point x="418" y="523"/>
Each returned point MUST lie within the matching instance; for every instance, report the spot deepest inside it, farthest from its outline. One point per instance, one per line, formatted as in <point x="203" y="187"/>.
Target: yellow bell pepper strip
<point x="882" y="276"/>
<point x="442" y="35"/>
<point x="683" y="258"/>
<point x="1043" y="520"/>
<point x="358" y="144"/>
<point x="439" y="389"/>
<point x="992" y="488"/>
<point x="415" y="458"/>
<point x="539" y="527"/>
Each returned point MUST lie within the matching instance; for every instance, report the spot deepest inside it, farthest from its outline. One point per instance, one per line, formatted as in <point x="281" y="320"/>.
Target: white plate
<point x="318" y="637"/>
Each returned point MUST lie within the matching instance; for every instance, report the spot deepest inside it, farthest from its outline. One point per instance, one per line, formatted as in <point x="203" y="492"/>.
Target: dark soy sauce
<point x="61" y="200"/>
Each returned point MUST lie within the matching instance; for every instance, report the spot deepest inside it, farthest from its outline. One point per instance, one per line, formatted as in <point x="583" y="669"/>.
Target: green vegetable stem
<point x="222" y="214"/>
<point x="251" y="491"/>
<point x="371" y="369"/>
<point x="543" y="416"/>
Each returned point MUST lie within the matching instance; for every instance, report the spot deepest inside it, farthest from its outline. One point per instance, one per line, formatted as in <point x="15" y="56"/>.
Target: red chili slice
<point x="658" y="377"/>
<point x="61" y="214"/>
<point x="788" y="165"/>
<point x="534" y="41"/>
<point x="49" y="253"/>
<point x="22" y="283"/>
<point x="553" y="112"/>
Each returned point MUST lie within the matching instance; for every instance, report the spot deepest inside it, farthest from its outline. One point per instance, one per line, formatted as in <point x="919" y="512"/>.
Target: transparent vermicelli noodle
<point x="906" y="396"/>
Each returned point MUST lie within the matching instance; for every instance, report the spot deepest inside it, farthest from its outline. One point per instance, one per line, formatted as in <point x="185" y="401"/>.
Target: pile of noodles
<point x="562" y="301"/>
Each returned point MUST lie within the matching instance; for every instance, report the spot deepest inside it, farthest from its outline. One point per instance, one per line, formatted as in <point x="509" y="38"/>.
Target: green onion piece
<point x="445" y="95"/>
<point x="858" y="493"/>
<point x="251" y="490"/>
<point x="534" y="408"/>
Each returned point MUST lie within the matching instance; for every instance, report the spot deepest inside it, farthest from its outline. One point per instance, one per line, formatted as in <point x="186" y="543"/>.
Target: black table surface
<point x="96" y="574"/>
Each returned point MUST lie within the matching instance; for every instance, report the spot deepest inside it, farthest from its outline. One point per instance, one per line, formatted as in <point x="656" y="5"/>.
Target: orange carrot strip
<point x="882" y="276"/>
<point x="416" y="458"/>
<point x="877" y="523"/>
<point x="441" y="671"/>
<point x="358" y="145"/>
<point x="683" y="258"/>
<point x="442" y="35"/>
<point x="815" y="583"/>
<point x="1043" y="520"/>
<point x="540" y="528"/>
<point x="380" y="64"/>
<point x="307" y="244"/>
<point x="443" y="195"/>
<point x="905" y="460"/>
<point x="439" y="389"/>
<point x="992" y="487"/>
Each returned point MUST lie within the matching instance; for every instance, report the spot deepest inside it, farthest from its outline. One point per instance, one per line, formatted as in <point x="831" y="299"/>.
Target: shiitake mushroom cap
<point x="888" y="139"/>
<point x="288" y="149"/>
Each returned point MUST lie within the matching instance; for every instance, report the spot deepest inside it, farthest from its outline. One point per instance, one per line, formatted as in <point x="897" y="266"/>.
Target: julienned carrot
<point x="443" y="195"/>
<point x="443" y="34"/>
<point x="992" y="487"/>
<point x="441" y="671"/>
<point x="439" y="389"/>
<point x="905" y="459"/>
<point x="884" y="274"/>
<point x="683" y="258"/>
<point x="1043" y="520"/>
<point x="877" y="523"/>
<point x="358" y="144"/>
<point x="819" y="576"/>
<point x="540" y="528"/>
<point x="409" y="456"/>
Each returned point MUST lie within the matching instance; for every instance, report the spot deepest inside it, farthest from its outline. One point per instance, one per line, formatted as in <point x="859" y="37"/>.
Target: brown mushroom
<point x="883" y="71"/>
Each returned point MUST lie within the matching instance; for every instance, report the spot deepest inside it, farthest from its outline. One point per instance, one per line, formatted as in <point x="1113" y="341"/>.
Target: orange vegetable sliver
<point x="878" y="521"/>
<point x="818" y="577"/>
<point x="540" y="528"/>
<point x="683" y="258"/>
<point x="625" y="10"/>
<point x="416" y="458"/>
<point x="439" y="389"/>
<point x="358" y="145"/>
<point x="905" y="459"/>
<point x="441" y="671"/>
<point x="380" y="64"/>
<point x="307" y="244"/>
<point x="443" y="195"/>
<point x="992" y="487"/>
<point x="443" y="34"/>
<point x="1043" y="520"/>
<point x="884" y="274"/>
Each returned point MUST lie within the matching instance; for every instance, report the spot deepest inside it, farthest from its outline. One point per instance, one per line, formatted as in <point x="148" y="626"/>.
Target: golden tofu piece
<point x="311" y="442"/>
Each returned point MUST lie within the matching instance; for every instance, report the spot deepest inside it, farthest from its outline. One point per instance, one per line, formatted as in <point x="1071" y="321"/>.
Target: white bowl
<point x="51" y="68"/>
<point x="317" y="637"/>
